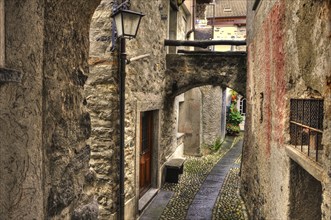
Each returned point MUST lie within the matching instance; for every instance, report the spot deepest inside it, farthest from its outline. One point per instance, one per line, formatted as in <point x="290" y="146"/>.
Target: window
<point x="243" y="106"/>
<point x="2" y="33"/>
<point x="306" y="125"/>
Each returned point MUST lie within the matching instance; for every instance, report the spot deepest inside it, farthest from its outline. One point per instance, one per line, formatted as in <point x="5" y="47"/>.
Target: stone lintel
<point x="10" y="75"/>
<point x="306" y="163"/>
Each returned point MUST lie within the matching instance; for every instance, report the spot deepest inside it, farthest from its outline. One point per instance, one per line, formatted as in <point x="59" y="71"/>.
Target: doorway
<point x="146" y="146"/>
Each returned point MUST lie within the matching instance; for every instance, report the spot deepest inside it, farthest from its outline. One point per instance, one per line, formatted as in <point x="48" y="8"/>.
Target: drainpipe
<point x="122" y="62"/>
<point x="213" y="4"/>
<point x="193" y="20"/>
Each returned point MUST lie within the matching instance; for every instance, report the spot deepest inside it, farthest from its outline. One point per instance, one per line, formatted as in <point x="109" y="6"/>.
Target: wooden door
<point x="146" y="143"/>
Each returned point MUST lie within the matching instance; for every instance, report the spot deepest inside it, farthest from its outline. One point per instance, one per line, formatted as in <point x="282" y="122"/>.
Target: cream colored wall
<point x="229" y="33"/>
<point x="188" y="4"/>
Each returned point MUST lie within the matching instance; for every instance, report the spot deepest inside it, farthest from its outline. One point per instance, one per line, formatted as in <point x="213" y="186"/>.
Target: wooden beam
<point x="225" y="53"/>
<point x="203" y="43"/>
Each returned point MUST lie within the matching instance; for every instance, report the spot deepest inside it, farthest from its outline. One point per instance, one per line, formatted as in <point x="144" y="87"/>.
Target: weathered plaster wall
<point x="200" y="118"/>
<point x="21" y="167"/>
<point x="289" y="54"/>
<point x="44" y="126"/>
<point x="2" y="33"/>
<point x="193" y="122"/>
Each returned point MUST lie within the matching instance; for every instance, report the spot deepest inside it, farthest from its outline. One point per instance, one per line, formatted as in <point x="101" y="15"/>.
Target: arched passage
<point x="186" y="71"/>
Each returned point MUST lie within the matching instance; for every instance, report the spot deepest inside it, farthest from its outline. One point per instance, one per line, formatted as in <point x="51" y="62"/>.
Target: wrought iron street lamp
<point x="127" y="24"/>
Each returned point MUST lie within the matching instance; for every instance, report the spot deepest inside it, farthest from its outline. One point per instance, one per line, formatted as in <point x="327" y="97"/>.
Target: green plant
<point x="217" y="144"/>
<point x="234" y="117"/>
<point x="232" y="129"/>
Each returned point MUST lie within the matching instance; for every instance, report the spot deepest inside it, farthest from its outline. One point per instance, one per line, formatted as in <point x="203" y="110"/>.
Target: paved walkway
<point x="204" y="200"/>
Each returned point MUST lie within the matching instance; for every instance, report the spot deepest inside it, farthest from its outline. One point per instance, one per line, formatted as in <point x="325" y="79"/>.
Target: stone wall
<point x="211" y="114"/>
<point x="66" y="124"/>
<point x="144" y="92"/>
<point x="200" y="118"/>
<point x="44" y="125"/>
<point x="289" y="50"/>
<point x="102" y="100"/>
<point x="188" y="71"/>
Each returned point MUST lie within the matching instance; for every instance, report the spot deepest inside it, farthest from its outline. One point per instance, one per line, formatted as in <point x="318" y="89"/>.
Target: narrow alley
<point x="165" y="109"/>
<point x="208" y="188"/>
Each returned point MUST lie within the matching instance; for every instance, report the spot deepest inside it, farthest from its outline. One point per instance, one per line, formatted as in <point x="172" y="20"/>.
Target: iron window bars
<point x="306" y="125"/>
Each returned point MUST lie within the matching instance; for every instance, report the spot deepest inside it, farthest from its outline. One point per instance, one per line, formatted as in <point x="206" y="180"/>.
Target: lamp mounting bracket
<point x="115" y="7"/>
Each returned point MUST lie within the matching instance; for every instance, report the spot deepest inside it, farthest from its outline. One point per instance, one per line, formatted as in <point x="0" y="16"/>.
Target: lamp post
<point x="127" y="24"/>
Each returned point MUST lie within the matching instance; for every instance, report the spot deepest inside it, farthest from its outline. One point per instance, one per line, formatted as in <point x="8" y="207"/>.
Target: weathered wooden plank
<point x="225" y="53"/>
<point x="203" y="43"/>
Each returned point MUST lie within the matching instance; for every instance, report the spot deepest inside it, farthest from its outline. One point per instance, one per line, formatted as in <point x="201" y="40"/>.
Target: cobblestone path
<point x="197" y="170"/>
<point x="205" y="199"/>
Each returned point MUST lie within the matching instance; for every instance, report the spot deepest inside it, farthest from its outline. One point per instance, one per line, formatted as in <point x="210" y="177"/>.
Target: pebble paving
<point x="196" y="170"/>
<point x="229" y="205"/>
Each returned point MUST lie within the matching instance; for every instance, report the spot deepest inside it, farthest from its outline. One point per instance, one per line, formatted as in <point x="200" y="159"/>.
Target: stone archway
<point x="102" y="98"/>
<point x="66" y="125"/>
<point x="186" y="71"/>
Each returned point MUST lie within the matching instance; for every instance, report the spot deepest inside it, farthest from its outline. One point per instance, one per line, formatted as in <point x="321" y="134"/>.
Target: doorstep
<point x="147" y="198"/>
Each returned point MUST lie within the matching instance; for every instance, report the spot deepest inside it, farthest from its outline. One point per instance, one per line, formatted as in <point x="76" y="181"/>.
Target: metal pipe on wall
<point x="122" y="74"/>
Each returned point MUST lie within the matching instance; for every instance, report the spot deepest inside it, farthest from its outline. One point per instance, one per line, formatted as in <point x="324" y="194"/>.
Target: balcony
<point x="306" y="122"/>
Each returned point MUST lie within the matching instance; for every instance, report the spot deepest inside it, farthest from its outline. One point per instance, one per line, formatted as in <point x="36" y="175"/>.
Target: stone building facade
<point x="289" y="54"/>
<point x="145" y="95"/>
<point x="44" y="122"/>
<point x="200" y="118"/>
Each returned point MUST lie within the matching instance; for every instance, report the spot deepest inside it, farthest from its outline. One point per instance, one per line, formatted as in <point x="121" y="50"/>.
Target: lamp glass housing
<point x="127" y="23"/>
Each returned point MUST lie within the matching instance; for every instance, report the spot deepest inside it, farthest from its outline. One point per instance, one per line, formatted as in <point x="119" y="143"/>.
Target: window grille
<point x="306" y="125"/>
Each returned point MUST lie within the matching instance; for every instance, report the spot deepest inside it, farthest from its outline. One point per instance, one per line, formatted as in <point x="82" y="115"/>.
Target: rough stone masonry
<point x="289" y="58"/>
